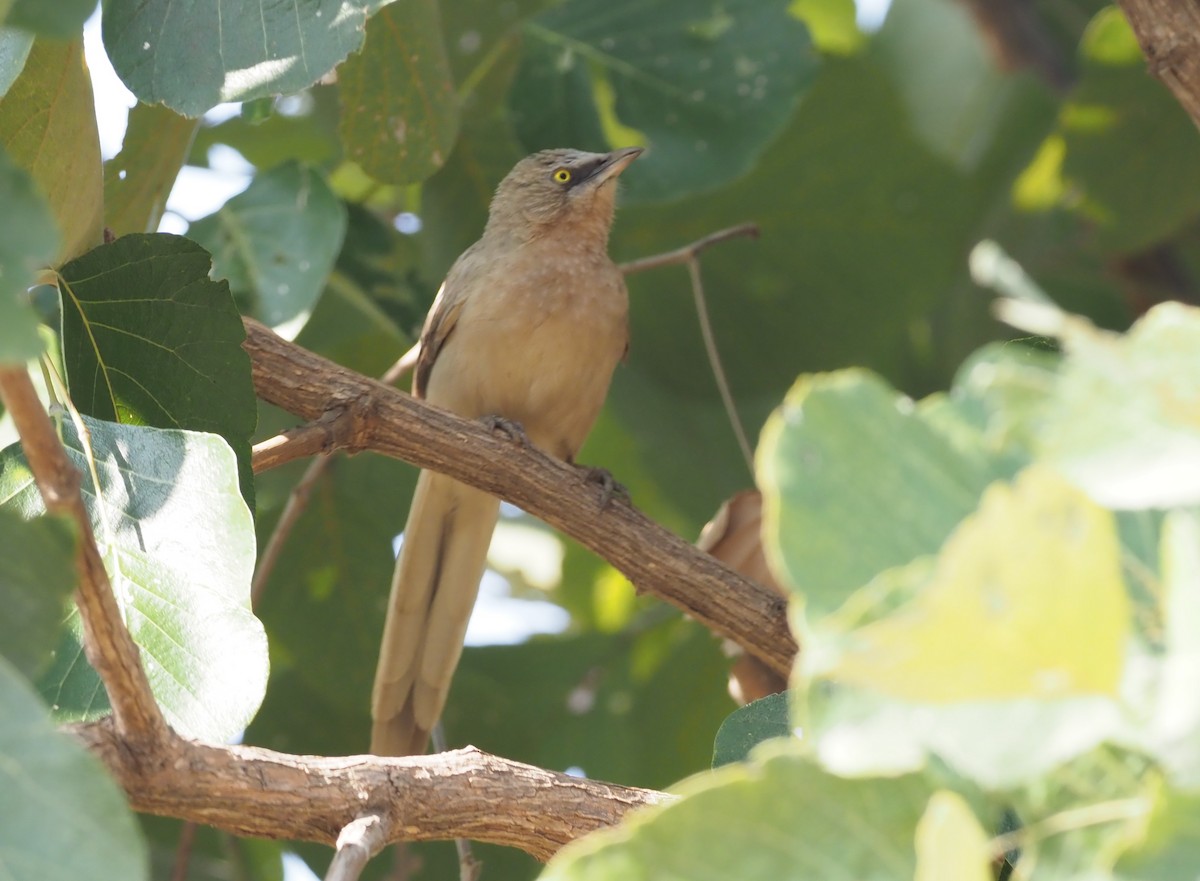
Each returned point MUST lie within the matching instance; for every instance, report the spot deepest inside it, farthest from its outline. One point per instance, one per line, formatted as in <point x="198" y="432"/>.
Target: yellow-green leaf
<point x="951" y="845"/>
<point x="138" y="180"/>
<point x="48" y="127"/>
<point x="1000" y="616"/>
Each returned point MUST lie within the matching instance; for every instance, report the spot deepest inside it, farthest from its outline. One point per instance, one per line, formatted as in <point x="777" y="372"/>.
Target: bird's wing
<point x="443" y="316"/>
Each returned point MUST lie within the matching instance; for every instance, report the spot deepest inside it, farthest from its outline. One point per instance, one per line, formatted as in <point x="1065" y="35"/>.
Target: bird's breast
<point x="539" y="346"/>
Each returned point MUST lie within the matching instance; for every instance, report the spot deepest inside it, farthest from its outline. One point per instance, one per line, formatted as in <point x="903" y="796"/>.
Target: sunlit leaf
<point x="399" y="110"/>
<point x="149" y="339"/>
<point x="48" y="127"/>
<point x="227" y="53"/>
<point x="178" y="542"/>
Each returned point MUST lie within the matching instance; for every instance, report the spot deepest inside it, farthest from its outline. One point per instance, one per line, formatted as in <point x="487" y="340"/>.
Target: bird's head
<point x="560" y="189"/>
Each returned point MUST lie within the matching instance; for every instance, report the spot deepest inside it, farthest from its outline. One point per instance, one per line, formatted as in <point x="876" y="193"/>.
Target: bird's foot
<point x="609" y="488"/>
<point x="511" y="429"/>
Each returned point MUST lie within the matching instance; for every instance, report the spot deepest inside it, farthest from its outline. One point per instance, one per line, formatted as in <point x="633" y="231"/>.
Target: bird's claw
<point x="609" y="488"/>
<point x="511" y="429"/>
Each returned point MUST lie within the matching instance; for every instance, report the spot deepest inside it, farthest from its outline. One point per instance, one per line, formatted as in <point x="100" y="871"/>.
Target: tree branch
<point x="385" y="420"/>
<point x="107" y="643"/>
<point x="461" y="794"/>
<point x="1169" y="33"/>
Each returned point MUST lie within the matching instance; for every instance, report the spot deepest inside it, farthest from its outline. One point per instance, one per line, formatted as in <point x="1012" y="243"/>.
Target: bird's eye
<point x="562" y="175"/>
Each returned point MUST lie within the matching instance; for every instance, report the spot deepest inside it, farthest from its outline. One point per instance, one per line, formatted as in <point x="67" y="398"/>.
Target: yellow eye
<point x="562" y="175"/>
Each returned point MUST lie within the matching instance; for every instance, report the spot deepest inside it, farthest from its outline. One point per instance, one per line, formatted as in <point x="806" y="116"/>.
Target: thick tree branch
<point x="1169" y="34"/>
<point x="385" y="420"/>
<point x="106" y="642"/>
<point x="461" y="794"/>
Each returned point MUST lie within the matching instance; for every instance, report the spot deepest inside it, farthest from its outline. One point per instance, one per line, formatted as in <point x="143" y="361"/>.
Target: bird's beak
<point x="614" y="163"/>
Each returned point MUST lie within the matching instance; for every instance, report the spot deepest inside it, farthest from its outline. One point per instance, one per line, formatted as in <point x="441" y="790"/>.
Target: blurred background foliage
<point x="873" y="151"/>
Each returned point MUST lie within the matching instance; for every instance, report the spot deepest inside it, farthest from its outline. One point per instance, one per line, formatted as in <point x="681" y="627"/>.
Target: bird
<point x="526" y="332"/>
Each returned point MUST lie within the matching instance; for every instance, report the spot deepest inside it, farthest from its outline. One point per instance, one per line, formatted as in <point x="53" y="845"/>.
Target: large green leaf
<point x="138" y="180"/>
<point x="64" y="818"/>
<point x="276" y="243"/>
<point x="781" y="818"/>
<point x="178" y="542"/>
<point x="48" y="127"/>
<point x="981" y="657"/>
<point x="956" y="97"/>
<point x="219" y="52"/>
<point x="399" y="110"/>
<point x="37" y="575"/>
<point x="712" y="88"/>
<point x="150" y="339"/>
<point x="855" y="481"/>
<point x="61" y="19"/>
<point x="28" y="241"/>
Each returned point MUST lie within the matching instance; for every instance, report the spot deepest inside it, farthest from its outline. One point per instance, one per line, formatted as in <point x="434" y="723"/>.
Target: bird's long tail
<point x="434" y="587"/>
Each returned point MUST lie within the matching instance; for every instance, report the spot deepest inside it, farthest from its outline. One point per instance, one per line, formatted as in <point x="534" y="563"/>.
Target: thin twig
<point x="296" y="503"/>
<point x="468" y="866"/>
<point x="360" y="840"/>
<point x="109" y="648"/>
<point x="183" y="851"/>
<point x="306" y="436"/>
<point x="687" y="252"/>
<point x="714" y="361"/>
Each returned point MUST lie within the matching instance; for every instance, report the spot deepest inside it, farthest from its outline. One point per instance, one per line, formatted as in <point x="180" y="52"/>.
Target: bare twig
<point x="107" y="643"/>
<point x="296" y="503"/>
<point x="688" y="252"/>
<point x="383" y="419"/>
<point x="183" y="851"/>
<point x="714" y="360"/>
<point x="312" y="437"/>
<point x="260" y="793"/>
<point x="360" y="840"/>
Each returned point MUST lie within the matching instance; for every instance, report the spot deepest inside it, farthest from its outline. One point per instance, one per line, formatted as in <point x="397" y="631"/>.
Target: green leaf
<point x="980" y="657"/>
<point x="37" y="575"/>
<point x="227" y="53"/>
<point x="178" y="542"/>
<point x="855" y="482"/>
<point x="709" y="92"/>
<point x="64" y="818"/>
<point x="14" y="49"/>
<point x="149" y="339"/>
<point x="956" y="98"/>
<point x="988" y="624"/>
<point x="276" y="243"/>
<point x="28" y="240"/>
<point x="62" y="19"/>
<point x="1131" y="153"/>
<point x="48" y="127"/>
<point x="399" y="110"/>
<point x="1123" y="421"/>
<point x="749" y="726"/>
<point x="138" y="180"/>
<point x="778" y="818"/>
